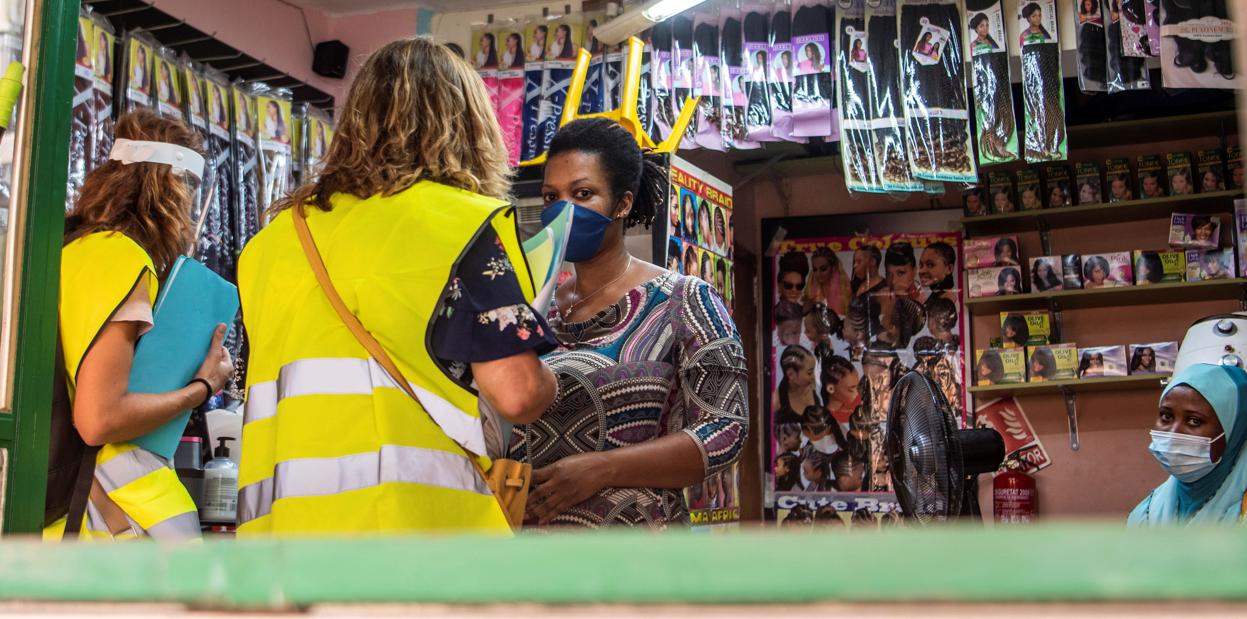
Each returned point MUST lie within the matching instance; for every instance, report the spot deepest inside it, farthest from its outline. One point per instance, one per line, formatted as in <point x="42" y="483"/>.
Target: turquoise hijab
<point x="1218" y="496"/>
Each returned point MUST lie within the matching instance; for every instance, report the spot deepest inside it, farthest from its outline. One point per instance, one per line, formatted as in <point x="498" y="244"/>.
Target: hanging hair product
<point x="813" y="96"/>
<point x="217" y="244"/>
<point x="735" y="100"/>
<point x="140" y="54"/>
<point x="613" y="74"/>
<point x="276" y="167"/>
<point x="933" y="87"/>
<point x="1092" y="54"/>
<point x="1124" y="72"/>
<point x="645" y="88"/>
<point x="246" y="161"/>
<point x="319" y="136"/>
<point x="757" y="50"/>
<point x="534" y="75"/>
<point x="485" y="59"/>
<point x="661" y="67"/>
<point x="1134" y="37"/>
<point x="560" y="64"/>
<point x="993" y="87"/>
<point x="1195" y="44"/>
<point x="1152" y="10"/>
<point x="593" y="97"/>
<point x="857" y="151"/>
<point x="82" y="117"/>
<point x="511" y="89"/>
<point x="708" y="80"/>
<point x="103" y="42"/>
<point x="781" y="72"/>
<point x="168" y="87"/>
<point x="683" y="81"/>
<point x="1043" y="91"/>
<point x="884" y="86"/>
<point x="298" y="142"/>
<point x="195" y="110"/>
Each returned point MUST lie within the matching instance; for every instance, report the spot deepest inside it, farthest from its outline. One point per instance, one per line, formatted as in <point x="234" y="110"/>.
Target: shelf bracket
<point x="1071" y="411"/>
<point x="1054" y="308"/>
<point x="1045" y="236"/>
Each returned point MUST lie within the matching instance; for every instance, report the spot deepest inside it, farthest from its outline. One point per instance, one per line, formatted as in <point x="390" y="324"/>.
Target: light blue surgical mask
<point x="1186" y="457"/>
<point x="588" y="229"/>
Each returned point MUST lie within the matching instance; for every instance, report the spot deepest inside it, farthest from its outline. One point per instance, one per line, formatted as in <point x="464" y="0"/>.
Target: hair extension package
<point x="884" y="86"/>
<point x="1043" y="93"/>
<point x="1152" y="10"/>
<point x="707" y="80"/>
<point x="813" y="95"/>
<point x="217" y="246"/>
<point x="1134" y="36"/>
<point x="103" y="43"/>
<point x="735" y="101"/>
<point x="993" y="88"/>
<point x="140" y="53"/>
<point x="612" y="75"/>
<point x="593" y="99"/>
<point x="933" y="88"/>
<point x="83" y="115"/>
<point x="246" y="160"/>
<point x="683" y="80"/>
<point x="168" y="90"/>
<point x="195" y="107"/>
<point x="1195" y="47"/>
<point x="510" y="103"/>
<point x="276" y="154"/>
<point x="781" y="72"/>
<point x="857" y="150"/>
<point x="560" y="64"/>
<point x="661" y="68"/>
<point x="645" y="89"/>
<point x="484" y="59"/>
<point x="1092" y="53"/>
<point x="534" y="74"/>
<point x="1124" y="72"/>
<point x="757" y="50"/>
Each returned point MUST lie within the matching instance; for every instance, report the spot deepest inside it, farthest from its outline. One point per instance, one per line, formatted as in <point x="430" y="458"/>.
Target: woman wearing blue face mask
<point x="1199" y="439"/>
<point x="652" y="382"/>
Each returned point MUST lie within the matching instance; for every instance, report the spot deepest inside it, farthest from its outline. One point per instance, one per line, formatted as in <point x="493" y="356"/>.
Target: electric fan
<point x="935" y="465"/>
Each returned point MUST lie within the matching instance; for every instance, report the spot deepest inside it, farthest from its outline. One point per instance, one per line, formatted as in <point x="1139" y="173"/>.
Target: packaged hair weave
<point x="1195" y="47"/>
<point x="993" y="88"/>
<point x="534" y="73"/>
<point x="613" y="74"/>
<point x="140" y="54"/>
<point x="298" y="142"/>
<point x="857" y="150"/>
<point x="757" y="50"/>
<point x="933" y="86"/>
<point x="1092" y="53"/>
<point x="781" y="72"/>
<point x="683" y="80"/>
<point x="735" y="101"/>
<point x="645" y="88"/>
<point x="319" y="136"/>
<point x="195" y="110"/>
<point x="884" y="86"/>
<point x="593" y="98"/>
<point x="1152" y="9"/>
<point x="246" y="163"/>
<point x="1134" y="41"/>
<point x="661" y="68"/>
<point x="83" y="114"/>
<point x="485" y="59"/>
<point x="1043" y="91"/>
<point x="511" y="89"/>
<point x="813" y="95"/>
<point x="1124" y="72"/>
<point x="168" y="90"/>
<point x="217" y="241"/>
<point x="102" y="47"/>
<point x="276" y="152"/>
<point x="708" y="80"/>
<point x="560" y="64"/>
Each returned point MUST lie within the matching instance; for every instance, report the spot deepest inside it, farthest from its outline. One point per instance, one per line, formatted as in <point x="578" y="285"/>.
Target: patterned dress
<point x="665" y="359"/>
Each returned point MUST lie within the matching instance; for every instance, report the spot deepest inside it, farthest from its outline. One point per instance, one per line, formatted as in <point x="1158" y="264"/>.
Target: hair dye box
<point x="1117" y="180"/>
<point x="1153" y="358"/>
<point x="1000" y="191"/>
<point x="1178" y="169"/>
<point x="1051" y="362"/>
<point x="991" y="251"/>
<point x="1194" y="231"/>
<point x="1057" y="189"/>
<point x="1096" y="361"/>
<point x="1071" y="271"/>
<point x="1022" y="329"/>
<point x="994" y="281"/>
<point x="1029" y="196"/>
<point x="1233" y="167"/>
<point x="1154" y="267"/>
<point x="1205" y="264"/>
<point x="1111" y="270"/>
<point x="1088" y="184"/>
<point x="1045" y="274"/>
<point x="1210" y="170"/>
<point x="1000" y="366"/>
<point x="1151" y="173"/>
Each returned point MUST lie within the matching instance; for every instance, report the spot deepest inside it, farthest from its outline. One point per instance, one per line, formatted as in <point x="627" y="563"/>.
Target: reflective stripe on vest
<point x="355" y="377"/>
<point x="325" y="476"/>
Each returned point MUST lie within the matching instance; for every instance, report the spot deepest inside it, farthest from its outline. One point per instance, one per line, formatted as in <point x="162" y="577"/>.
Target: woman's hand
<point x="217" y="367"/>
<point x="565" y="484"/>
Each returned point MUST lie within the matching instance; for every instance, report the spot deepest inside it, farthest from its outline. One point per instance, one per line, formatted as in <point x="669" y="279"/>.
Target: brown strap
<point x="114" y="518"/>
<point x="352" y="322"/>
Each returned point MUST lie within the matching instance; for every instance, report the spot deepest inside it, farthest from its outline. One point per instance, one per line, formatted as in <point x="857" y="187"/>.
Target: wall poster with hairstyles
<point x="848" y="315"/>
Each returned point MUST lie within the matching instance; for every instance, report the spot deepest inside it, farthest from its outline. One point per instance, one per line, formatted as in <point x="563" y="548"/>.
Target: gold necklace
<point x="571" y="307"/>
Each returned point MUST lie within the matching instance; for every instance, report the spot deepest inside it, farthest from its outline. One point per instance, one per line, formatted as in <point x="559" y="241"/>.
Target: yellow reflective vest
<point x="98" y="273"/>
<point x="330" y="444"/>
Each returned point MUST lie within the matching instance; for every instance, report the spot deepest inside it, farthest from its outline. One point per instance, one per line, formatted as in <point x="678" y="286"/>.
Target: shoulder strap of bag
<point x="352" y="322"/>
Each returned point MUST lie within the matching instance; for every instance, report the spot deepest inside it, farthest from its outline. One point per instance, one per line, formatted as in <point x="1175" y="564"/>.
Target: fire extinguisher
<point x="1014" y="497"/>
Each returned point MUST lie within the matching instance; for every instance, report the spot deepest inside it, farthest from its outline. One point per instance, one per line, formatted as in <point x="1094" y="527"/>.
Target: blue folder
<point x="193" y="301"/>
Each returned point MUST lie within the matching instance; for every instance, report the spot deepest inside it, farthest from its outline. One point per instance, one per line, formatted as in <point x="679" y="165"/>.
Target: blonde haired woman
<point x="409" y="216"/>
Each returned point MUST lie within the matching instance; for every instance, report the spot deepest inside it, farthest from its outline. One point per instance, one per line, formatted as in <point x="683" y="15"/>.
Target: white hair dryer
<point x="1220" y="339"/>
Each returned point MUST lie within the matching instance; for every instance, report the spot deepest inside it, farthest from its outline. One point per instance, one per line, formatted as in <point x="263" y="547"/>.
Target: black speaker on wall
<point x="329" y="59"/>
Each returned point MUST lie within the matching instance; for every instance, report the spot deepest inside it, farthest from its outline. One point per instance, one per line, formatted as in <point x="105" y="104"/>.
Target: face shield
<point x="186" y="163"/>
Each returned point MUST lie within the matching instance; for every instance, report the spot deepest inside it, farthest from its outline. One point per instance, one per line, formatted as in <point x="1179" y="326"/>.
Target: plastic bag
<point x="484" y="59"/>
<point x="511" y="89"/>
<point x="661" y="69"/>
<point x="82" y="116"/>
<point x="593" y="97"/>
<point x="1134" y="35"/>
<point x="996" y="131"/>
<point x="534" y="72"/>
<point x="813" y="96"/>
<point x="1152" y="10"/>
<point x="891" y="155"/>
<point x="195" y="110"/>
<point x="1124" y="72"/>
<point x="645" y="88"/>
<point x="735" y="101"/>
<point x="217" y="238"/>
<point x="857" y="151"/>
<point x="683" y="79"/>
<point x="319" y="137"/>
<point x="781" y="72"/>
<point x="246" y="202"/>
<point x="933" y="86"/>
<point x="613" y="74"/>
<point x="140" y="56"/>
<point x="1195" y="44"/>
<point x="1043" y="91"/>
<point x="168" y="86"/>
<point x="757" y="48"/>
<point x="1092" y="53"/>
<point x="102" y="46"/>
<point x="708" y="80"/>
<point x="275" y="142"/>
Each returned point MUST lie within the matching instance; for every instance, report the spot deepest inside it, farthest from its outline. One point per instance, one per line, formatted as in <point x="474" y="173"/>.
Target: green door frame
<point x="48" y="103"/>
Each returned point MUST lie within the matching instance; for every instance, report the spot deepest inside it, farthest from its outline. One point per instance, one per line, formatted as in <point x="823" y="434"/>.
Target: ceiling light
<point x="635" y="21"/>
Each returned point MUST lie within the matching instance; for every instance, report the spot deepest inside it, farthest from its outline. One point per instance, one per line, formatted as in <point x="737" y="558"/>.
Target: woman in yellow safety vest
<point x="130" y="223"/>
<point x="409" y="216"/>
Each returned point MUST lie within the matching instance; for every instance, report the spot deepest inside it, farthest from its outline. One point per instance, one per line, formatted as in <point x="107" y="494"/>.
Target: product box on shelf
<point x="1071" y="271"/>
<point x="1179" y="171"/>
<point x="999" y="366"/>
<point x="1233" y="167"/>
<point x="1117" y="177"/>
<point x="1022" y="329"/>
<point x="1088" y="183"/>
<point x="1028" y="190"/>
<point x="1101" y="361"/>
<point x="1153" y="267"/>
<point x="974" y="200"/>
<point x="1194" y="231"/>
<point x="990" y="251"/>
<point x="1045" y="274"/>
<point x="1151" y="177"/>
<point x="1211" y="170"/>
<point x="1111" y="270"/>
<point x="1051" y="362"/>
<point x="1000" y="188"/>
<point x="1203" y="264"/>
<point x="994" y="281"/>
<point x="1153" y="358"/>
<point x="1240" y="235"/>
<point x="1056" y="186"/>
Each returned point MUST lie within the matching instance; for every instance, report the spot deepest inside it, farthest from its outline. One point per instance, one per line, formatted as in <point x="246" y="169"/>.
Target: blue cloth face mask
<point x="588" y="229"/>
<point x="1186" y="457"/>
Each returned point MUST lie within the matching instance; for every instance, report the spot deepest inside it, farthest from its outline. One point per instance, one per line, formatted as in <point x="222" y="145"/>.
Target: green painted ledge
<point x="1033" y="564"/>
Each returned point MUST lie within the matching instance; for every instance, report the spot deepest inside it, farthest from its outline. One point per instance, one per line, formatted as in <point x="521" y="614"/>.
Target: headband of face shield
<point x="186" y="162"/>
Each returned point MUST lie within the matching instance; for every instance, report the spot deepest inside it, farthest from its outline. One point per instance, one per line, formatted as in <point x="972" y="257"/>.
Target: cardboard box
<point x="991" y="251"/>
<point x="974" y="201"/>
<point x="1154" y="358"/>
<point x="1194" y="231"/>
<point x="994" y="281"/>
<point x="1051" y="362"/>
<point x="1071" y="271"/>
<point x="1153" y="267"/>
<point x="1045" y="274"/>
<point x="1029" y="195"/>
<point x="1098" y="361"/>
<point x="1000" y="188"/>
<point x="1057" y="186"/>
<point x="1111" y="270"/>
<point x="1233" y="167"/>
<point x="1022" y="329"/>
<point x="1204" y="264"/>
<point x="1088" y="184"/>
<point x="1178" y="169"/>
<point x="1000" y="366"/>
<point x="1211" y="170"/>
<point x="1151" y="177"/>
<point x="1117" y="179"/>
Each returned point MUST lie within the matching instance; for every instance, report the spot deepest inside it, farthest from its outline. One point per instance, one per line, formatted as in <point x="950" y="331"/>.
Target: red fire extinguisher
<point x="1014" y="497"/>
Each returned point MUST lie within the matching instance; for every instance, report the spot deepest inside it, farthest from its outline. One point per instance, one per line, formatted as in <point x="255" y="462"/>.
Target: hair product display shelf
<point x="1076" y="385"/>
<point x="1096" y="214"/>
<point x="1173" y="292"/>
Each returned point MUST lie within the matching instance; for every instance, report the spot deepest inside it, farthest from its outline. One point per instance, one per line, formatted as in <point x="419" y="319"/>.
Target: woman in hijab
<point x="1199" y="439"/>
